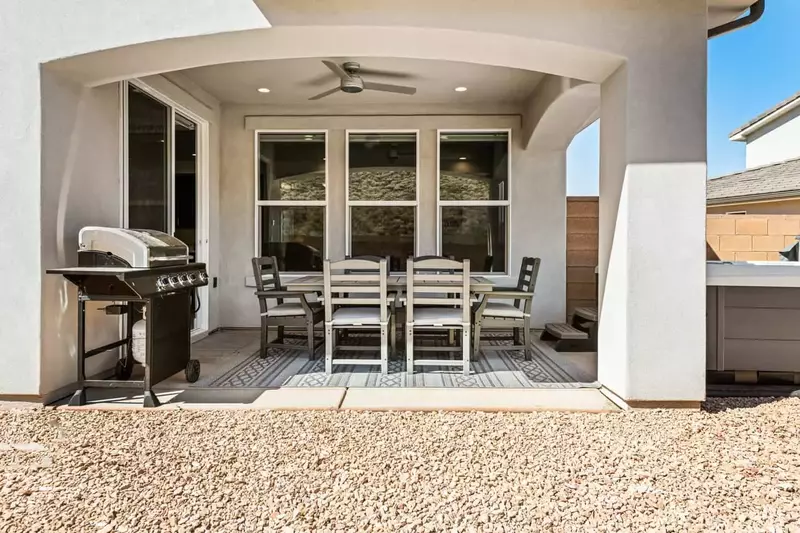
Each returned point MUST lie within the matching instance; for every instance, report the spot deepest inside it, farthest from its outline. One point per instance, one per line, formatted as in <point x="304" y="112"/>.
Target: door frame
<point x="202" y="247"/>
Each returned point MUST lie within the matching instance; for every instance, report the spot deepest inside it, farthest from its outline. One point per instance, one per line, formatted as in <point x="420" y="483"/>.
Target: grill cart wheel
<point x="123" y="369"/>
<point x="192" y="370"/>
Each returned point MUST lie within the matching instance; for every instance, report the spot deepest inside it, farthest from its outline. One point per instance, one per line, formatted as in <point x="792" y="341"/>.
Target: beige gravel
<point x="733" y="467"/>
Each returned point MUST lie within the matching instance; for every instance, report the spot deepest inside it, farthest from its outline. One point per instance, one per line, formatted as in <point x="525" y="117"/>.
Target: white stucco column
<point x="539" y="223"/>
<point x="652" y="220"/>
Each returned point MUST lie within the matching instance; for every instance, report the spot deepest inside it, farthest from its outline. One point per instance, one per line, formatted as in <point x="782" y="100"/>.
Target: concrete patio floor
<point x="222" y="353"/>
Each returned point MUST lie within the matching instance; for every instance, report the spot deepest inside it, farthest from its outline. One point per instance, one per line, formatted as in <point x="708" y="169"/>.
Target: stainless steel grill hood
<point x="139" y="248"/>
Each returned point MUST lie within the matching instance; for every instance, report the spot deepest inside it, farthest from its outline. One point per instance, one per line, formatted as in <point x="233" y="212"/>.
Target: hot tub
<point x="753" y="316"/>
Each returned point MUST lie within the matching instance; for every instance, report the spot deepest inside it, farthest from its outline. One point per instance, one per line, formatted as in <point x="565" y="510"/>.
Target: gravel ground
<point x="733" y="467"/>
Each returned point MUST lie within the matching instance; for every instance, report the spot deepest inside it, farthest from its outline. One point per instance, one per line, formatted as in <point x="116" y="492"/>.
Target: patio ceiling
<point x="293" y="81"/>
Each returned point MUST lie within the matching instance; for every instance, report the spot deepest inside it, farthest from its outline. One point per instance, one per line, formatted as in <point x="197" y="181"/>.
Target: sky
<point x="749" y="71"/>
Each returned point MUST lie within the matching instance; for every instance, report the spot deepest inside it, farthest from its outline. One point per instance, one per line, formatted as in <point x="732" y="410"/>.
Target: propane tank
<point x="139" y="339"/>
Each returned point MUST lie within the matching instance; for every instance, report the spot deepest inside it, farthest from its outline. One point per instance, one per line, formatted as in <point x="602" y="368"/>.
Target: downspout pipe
<point x="756" y="11"/>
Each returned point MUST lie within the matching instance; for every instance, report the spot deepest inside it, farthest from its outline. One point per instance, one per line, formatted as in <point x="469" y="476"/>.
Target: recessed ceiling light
<point x="460" y="89"/>
<point x="462" y="158"/>
<point x="263" y="90"/>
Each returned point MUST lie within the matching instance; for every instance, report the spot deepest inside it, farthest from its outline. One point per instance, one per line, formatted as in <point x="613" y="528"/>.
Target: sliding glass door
<point x="163" y="188"/>
<point x="149" y="137"/>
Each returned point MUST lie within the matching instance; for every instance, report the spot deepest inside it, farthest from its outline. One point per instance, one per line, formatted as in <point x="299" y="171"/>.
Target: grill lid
<point x="140" y="248"/>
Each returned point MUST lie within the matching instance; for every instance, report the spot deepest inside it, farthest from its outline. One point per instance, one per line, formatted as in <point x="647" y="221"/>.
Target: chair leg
<point x="328" y="349"/>
<point x="310" y="335"/>
<point x="517" y="341"/>
<point x="280" y="335"/>
<point x="465" y="348"/>
<point x="393" y="335"/>
<point x="526" y="339"/>
<point x="264" y="340"/>
<point x="476" y="345"/>
<point x="384" y="349"/>
<point x="410" y="350"/>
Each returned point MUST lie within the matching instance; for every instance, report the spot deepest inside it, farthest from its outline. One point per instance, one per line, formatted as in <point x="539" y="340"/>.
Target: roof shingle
<point x="779" y="180"/>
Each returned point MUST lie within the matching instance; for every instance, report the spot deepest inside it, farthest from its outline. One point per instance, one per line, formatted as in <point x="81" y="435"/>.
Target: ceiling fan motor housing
<point x="352" y="85"/>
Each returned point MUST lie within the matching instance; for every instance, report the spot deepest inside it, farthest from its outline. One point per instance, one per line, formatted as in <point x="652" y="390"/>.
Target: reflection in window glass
<point x="382" y="167"/>
<point x="294" y="235"/>
<point x="473" y="166"/>
<point x="383" y="231"/>
<point x="291" y="166"/>
<point x="148" y="143"/>
<point x="477" y="233"/>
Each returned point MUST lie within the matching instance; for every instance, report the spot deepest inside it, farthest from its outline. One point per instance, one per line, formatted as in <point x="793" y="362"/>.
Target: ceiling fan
<point x="351" y="82"/>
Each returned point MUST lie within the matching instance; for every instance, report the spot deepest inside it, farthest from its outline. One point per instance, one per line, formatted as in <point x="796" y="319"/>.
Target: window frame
<point x="289" y="203"/>
<point x="475" y="203"/>
<point x="378" y="203"/>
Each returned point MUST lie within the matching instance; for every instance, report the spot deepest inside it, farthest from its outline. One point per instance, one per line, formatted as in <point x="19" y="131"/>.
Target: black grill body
<point x="166" y="294"/>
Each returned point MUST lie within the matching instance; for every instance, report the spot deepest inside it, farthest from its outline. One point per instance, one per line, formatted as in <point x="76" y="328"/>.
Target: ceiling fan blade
<point x="326" y="78"/>
<point x="338" y="70"/>
<point x="326" y="93"/>
<point x="388" y="88"/>
<point x="385" y="73"/>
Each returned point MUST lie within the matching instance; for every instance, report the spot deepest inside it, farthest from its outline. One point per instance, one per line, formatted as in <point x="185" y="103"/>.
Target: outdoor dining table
<point x="395" y="283"/>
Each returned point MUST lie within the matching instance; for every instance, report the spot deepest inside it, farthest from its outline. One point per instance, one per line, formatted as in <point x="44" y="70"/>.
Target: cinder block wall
<point x="582" y="235"/>
<point x="750" y="237"/>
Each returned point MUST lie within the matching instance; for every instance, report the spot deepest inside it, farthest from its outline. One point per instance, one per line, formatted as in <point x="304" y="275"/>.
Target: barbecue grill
<point x="137" y="270"/>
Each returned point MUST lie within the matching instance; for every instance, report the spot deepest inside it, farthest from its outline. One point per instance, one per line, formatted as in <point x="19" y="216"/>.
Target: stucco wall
<point x="777" y="142"/>
<point x="537" y="211"/>
<point x="34" y="32"/>
<point x="82" y="185"/>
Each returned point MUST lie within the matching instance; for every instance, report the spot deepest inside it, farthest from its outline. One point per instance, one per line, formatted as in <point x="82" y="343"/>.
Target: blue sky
<point x="749" y="71"/>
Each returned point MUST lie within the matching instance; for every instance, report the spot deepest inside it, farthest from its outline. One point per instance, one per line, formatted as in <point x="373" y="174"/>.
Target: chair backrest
<point x="265" y="270"/>
<point x="356" y="282"/>
<point x="528" y="272"/>
<point x="437" y="281"/>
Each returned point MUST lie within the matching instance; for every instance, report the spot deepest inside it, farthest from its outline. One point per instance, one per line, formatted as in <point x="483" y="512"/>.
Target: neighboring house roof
<point x="770" y="182"/>
<point x="740" y="133"/>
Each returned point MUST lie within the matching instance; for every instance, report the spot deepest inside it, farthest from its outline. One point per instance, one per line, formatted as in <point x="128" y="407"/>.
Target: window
<point x="291" y="199"/>
<point x="474" y="198"/>
<point x="382" y="195"/>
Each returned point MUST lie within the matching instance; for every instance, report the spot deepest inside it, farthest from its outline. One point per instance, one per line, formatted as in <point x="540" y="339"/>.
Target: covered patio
<point x="215" y="131"/>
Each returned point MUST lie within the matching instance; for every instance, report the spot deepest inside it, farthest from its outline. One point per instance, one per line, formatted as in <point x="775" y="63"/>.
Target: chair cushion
<point x="435" y="316"/>
<point x="356" y="315"/>
<point x="286" y="309"/>
<point x="502" y="310"/>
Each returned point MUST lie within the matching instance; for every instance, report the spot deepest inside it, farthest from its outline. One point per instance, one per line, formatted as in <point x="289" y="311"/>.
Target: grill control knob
<point x="203" y="276"/>
<point x="174" y="281"/>
<point x="193" y="277"/>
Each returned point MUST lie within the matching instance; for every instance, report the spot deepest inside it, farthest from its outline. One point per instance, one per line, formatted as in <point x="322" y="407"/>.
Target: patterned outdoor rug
<point x="495" y="367"/>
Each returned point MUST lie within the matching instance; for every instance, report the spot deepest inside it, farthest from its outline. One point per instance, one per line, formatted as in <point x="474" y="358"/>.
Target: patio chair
<point x="393" y="300"/>
<point x="296" y="314"/>
<point x="491" y="314"/>
<point x="437" y="297"/>
<point x="356" y="299"/>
